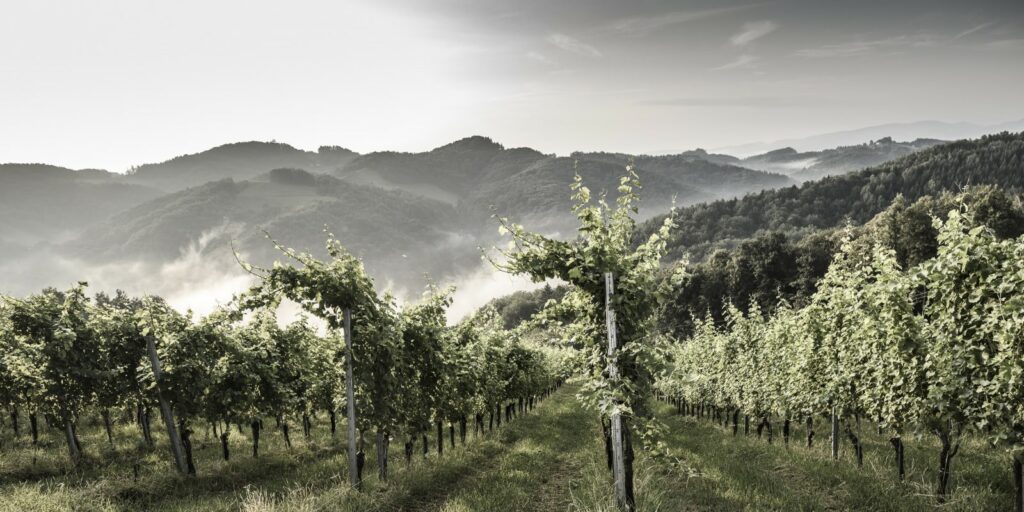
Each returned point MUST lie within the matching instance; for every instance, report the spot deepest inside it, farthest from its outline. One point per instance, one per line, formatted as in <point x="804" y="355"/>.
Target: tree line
<point x="772" y="268"/>
<point x="855" y="198"/>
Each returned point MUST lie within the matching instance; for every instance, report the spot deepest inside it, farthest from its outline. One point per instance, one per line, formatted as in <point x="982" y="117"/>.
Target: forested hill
<point x="813" y="165"/>
<point x="241" y="160"/>
<point x="477" y="173"/>
<point x="40" y="203"/>
<point x="405" y="213"/>
<point x="995" y="159"/>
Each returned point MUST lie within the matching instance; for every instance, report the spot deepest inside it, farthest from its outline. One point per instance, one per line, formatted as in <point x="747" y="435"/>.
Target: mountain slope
<point x="856" y="197"/>
<point x="900" y="131"/>
<point x="476" y="173"/>
<point x="815" y="165"/>
<point x="447" y="173"/>
<point x="384" y="227"/>
<point x="44" y="203"/>
<point x="405" y="214"/>
<point x="715" y="175"/>
<point x="240" y="160"/>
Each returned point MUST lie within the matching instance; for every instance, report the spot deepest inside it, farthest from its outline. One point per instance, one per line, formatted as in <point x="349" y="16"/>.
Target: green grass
<point x="746" y="473"/>
<point x="550" y="459"/>
<point x="503" y="468"/>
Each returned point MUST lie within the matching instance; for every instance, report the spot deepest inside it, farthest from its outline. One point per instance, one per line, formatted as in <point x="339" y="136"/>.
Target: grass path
<point x="528" y="464"/>
<point x="544" y="453"/>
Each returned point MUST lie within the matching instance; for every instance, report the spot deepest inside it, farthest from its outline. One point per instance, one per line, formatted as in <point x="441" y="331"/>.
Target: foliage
<point x="935" y="345"/>
<point x="774" y="267"/>
<point x="54" y="356"/>
<point x="852" y="198"/>
<point x="604" y="246"/>
<point x="519" y="307"/>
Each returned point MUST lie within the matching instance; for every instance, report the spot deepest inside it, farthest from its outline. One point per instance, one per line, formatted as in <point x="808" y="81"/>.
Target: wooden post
<point x="350" y="399"/>
<point x="835" y="434"/>
<point x="165" y="408"/>
<point x="618" y="452"/>
<point x="69" y="434"/>
<point x="1018" y="479"/>
<point x="382" y="455"/>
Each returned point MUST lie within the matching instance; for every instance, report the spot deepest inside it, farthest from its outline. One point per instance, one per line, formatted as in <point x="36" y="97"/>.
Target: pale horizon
<point x="430" y="146"/>
<point x="114" y="84"/>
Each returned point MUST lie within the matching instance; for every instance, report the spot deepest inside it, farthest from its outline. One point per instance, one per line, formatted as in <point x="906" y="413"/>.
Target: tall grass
<point x="551" y="459"/>
<point x="747" y="473"/>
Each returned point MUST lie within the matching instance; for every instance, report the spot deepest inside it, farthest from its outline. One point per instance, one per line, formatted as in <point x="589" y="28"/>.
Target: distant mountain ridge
<point x="382" y="226"/>
<point x="996" y="160"/>
<point x="813" y="165"/>
<point x="477" y="173"/>
<point x="900" y="131"/>
<point x="237" y="160"/>
<point x="432" y="208"/>
<point x="404" y="213"/>
<point x="41" y="203"/>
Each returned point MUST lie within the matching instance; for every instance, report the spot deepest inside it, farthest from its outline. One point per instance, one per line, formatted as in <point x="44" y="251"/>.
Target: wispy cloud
<point x="745" y="101"/>
<point x="1006" y="43"/>
<point x="540" y="58"/>
<point x="862" y="47"/>
<point x="643" y="25"/>
<point x="752" y="31"/>
<point x="743" y="62"/>
<point x="972" y="30"/>
<point x="573" y="45"/>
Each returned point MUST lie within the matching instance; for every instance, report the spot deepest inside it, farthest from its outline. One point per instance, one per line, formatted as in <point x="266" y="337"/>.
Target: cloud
<point x="744" y="101"/>
<point x="858" y="48"/>
<point x="200" y="279"/>
<point x="1006" y="43"/>
<point x="540" y="58"/>
<point x="752" y="31"/>
<point x="643" y="25"/>
<point x="895" y="44"/>
<point x="206" y="276"/>
<point x="972" y="30"/>
<point x="573" y="45"/>
<point x="482" y="285"/>
<point x="743" y="62"/>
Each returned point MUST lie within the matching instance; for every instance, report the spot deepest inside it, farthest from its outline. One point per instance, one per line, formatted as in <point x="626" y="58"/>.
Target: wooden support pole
<point x="618" y="451"/>
<point x="165" y="408"/>
<point x="835" y="434"/>
<point x="1018" y="483"/>
<point x="350" y="399"/>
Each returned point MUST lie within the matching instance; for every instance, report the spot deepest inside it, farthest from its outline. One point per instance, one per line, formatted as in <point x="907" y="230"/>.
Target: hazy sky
<point x="106" y="83"/>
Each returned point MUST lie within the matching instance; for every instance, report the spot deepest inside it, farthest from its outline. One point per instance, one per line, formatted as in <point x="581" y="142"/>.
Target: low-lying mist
<point x="205" y="276"/>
